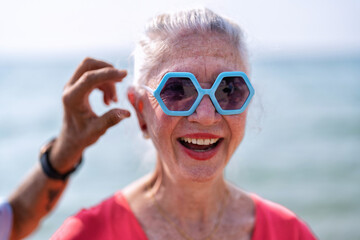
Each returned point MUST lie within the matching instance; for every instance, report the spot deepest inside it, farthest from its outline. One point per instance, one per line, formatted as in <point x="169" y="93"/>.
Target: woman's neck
<point x="189" y="201"/>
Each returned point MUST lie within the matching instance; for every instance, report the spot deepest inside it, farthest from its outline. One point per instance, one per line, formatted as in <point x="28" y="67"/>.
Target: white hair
<point x="160" y="30"/>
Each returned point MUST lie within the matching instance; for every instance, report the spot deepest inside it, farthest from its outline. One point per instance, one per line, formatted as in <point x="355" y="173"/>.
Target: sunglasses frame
<point x="201" y="93"/>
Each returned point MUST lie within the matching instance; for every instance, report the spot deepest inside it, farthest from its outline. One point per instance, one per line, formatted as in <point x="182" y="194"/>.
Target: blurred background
<point x="302" y="144"/>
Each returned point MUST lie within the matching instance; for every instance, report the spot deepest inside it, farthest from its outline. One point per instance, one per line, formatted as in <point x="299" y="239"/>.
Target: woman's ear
<point x="135" y="99"/>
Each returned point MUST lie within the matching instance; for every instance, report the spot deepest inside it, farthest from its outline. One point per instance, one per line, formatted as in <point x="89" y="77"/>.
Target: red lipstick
<point x="200" y="135"/>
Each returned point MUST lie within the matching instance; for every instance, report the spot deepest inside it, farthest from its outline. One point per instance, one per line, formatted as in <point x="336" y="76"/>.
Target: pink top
<point x="113" y="219"/>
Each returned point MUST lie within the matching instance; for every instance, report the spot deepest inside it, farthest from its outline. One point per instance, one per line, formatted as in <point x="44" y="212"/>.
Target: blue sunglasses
<point x="179" y="93"/>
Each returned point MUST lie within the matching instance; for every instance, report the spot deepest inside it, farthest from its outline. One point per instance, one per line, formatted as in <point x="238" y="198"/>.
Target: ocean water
<point x="301" y="149"/>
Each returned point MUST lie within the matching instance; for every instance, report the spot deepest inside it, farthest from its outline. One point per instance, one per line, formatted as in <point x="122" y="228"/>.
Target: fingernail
<point x="126" y="114"/>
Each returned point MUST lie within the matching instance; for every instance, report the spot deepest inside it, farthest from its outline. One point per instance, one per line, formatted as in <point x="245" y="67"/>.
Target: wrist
<point x="65" y="154"/>
<point x="58" y="164"/>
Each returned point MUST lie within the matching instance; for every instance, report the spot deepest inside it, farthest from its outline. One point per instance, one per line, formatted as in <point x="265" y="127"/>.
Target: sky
<point x="295" y="26"/>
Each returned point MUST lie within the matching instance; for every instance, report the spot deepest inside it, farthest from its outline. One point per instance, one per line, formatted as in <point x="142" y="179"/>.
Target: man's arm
<point x="35" y="198"/>
<point x="39" y="192"/>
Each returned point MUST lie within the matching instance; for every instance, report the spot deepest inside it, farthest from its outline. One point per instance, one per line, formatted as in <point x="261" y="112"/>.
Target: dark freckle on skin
<point x="52" y="194"/>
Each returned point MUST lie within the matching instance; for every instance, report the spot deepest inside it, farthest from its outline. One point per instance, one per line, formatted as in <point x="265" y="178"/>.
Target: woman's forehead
<point x="200" y="45"/>
<point x="196" y="54"/>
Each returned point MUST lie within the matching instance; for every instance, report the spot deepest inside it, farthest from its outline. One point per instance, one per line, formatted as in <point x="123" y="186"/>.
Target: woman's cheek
<point x="237" y="130"/>
<point x="162" y="127"/>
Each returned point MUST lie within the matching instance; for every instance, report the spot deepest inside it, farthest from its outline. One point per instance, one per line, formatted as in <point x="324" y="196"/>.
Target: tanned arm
<point x="35" y="198"/>
<point x="81" y="127"/>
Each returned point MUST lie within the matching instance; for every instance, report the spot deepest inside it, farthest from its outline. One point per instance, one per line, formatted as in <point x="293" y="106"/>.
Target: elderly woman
<point x="190" y="96"/>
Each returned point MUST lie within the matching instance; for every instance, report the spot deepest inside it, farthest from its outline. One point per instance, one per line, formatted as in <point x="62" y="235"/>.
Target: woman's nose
<point x="205" y="113"/>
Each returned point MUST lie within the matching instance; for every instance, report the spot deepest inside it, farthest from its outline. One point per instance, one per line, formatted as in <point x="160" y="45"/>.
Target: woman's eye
<point x="228" y="89"/>
<point x="173" y="89"/>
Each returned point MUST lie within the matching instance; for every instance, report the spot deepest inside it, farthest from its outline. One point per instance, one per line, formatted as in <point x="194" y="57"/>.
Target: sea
<point x="301" y="148"/>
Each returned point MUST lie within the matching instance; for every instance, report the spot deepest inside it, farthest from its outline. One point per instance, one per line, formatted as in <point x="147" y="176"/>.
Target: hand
<point x="81" y="126"/>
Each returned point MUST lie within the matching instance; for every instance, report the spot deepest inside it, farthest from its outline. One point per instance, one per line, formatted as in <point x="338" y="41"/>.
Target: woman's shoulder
<point x="111" y="218"/>
<point x="274" y="221"/>
<point x="272" y="209"/>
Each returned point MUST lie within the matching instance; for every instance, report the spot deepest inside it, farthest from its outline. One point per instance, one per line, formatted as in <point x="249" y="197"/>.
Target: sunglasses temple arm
<point x="147" y="89"/>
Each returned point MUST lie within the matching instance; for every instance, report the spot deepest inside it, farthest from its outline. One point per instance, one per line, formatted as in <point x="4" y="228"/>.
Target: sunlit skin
<point x="206" y="62"/>
<point x="38" y="194"/>
<point x="192" y="191"/>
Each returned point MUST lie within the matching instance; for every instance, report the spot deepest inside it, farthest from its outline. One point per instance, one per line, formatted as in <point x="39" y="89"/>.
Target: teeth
<point x="200" y="141"/>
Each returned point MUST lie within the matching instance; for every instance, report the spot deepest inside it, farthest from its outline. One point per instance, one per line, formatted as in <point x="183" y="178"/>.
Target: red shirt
<point x="113" y="219"/>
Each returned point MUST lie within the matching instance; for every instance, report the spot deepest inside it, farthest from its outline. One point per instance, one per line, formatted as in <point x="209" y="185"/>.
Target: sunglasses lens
<point x="232" y="93"/>
<point x="178" y="94"/>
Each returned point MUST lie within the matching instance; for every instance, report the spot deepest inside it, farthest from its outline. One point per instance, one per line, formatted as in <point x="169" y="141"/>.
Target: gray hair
<point x="159" y="32"/>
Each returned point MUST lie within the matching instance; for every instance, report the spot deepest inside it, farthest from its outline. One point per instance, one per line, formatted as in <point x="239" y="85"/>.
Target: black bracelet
<point x="49" y="170"/>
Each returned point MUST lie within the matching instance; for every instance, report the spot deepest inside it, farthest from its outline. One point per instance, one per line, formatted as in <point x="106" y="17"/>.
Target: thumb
<point x="111" y="118"/>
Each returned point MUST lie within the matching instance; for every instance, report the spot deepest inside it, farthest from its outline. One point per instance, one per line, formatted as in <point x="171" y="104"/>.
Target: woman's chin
<point x="201" y="173"/>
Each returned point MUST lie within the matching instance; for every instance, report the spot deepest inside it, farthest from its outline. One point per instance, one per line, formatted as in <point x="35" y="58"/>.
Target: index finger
<point x="88" y="64"/>
<point x="92" y="79"/>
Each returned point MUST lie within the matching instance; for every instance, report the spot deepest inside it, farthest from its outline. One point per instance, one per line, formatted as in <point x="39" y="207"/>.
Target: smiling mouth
<point x="199" y="144"/>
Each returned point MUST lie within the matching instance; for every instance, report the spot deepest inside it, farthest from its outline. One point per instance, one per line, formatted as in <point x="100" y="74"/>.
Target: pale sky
<point x="55" y="26"/>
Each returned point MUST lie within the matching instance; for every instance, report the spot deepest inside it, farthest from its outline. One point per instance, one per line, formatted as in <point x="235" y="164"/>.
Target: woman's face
<point x="213" y="137"/>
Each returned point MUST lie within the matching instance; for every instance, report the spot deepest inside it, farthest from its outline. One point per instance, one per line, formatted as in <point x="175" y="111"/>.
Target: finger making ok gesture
<point x="81" y="126"/>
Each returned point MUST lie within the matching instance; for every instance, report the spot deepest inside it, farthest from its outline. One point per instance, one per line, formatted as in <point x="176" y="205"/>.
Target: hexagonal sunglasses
<point x="179" y="93"/>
